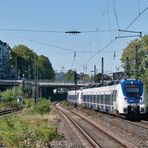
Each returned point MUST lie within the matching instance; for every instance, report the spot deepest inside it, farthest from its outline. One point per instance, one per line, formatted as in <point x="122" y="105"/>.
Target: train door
<point x="80" y="97"/>
<point x="114" y="99"/>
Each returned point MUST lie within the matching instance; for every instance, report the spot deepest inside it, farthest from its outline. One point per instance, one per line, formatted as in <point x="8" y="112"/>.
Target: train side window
<point x="94" y="96"/>
<point x="87" y="98"/>
<point x="90" y="100"/>
<point x="101" y="99"/>
<point x="83" y="98"/>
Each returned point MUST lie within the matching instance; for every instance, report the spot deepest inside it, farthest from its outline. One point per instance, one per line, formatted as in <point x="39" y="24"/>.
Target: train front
<point x="134" y="98"/>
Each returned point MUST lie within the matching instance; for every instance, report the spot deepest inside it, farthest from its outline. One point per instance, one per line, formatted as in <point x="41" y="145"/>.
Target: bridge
<point x="42" y="83"/>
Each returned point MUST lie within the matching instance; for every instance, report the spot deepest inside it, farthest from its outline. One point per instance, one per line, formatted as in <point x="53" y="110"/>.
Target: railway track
<point x="8" y="111"/>
<point x="97" y="135"/>
<point x="141" y="124"/>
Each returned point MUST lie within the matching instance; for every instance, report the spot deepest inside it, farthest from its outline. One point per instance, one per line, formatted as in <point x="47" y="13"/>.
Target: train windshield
<point x="132" y="90"/>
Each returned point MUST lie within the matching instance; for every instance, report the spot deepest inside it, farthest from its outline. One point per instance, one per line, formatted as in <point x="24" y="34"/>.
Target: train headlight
<point x="142" y="109"/>
<point x="140" y="99"/>
<point x="125" y="98"/>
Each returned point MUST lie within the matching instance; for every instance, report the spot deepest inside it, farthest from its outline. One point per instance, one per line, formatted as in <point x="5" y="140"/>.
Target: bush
<point x="10" y="97"/>
<point x="42" y="106"/>
<point x="65" y="103"/>
<point x="18" y="132"/>
<point x="1" y="105"/>
<point x="29" y="103"/>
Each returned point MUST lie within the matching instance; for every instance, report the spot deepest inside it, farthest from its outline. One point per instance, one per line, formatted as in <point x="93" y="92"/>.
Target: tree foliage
<point x="98" y="77"/>
<point x="10" y="96"/>
<point x="26" y="62"/>
<point x="69" y="76"/>
<point x="129" y="51"/>
<point x="45" y="68"/>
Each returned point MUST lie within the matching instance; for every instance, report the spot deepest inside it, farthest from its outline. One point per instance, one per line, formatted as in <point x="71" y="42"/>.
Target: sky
<point x="41" y="26"/>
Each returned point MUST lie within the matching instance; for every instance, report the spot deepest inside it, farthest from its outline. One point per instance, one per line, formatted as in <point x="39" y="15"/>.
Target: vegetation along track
<point x="8" y="111"/>
<point x="99" y="136"/>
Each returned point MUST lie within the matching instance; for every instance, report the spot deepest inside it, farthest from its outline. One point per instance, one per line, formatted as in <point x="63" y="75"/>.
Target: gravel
<point x="70" y="139"/>
<point x="122" y="130"/>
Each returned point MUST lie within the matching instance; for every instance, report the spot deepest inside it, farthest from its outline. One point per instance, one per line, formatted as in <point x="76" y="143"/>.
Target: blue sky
<point x="66" y="15"/>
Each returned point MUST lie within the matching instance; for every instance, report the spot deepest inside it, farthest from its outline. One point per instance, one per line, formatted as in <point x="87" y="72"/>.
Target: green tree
<point x="98" y="77"/>
<point x="23" y="59"/>
<point x="26" y="61"/>
<point x="88" y="77"/>
<point x="129" y="51"/>
<point x="45" y="68"/>
<point x="69" y="76"/>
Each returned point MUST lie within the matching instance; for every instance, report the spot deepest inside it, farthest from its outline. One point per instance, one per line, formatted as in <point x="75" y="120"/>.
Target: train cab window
<point x="132" y="90"/>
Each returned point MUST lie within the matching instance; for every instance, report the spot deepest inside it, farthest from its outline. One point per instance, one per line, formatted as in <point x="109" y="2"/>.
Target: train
<point x="126" y="97"/>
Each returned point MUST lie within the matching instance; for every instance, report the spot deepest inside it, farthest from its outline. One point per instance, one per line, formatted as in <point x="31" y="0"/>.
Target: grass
<point x="34" y="127"/>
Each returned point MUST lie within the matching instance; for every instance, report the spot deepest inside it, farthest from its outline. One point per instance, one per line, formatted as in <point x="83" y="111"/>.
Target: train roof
<point x="130" y="81"/>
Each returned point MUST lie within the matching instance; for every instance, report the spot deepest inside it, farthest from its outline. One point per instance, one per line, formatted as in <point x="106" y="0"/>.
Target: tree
<point x="26" y="62"/>
<point x="23" y="59"/>
<point x="69" y="76"/>
<point x="129" y="52"/>
<point x="45" y="68"/>
<point x="98" y="77"/>
<point x="87" y="77"/>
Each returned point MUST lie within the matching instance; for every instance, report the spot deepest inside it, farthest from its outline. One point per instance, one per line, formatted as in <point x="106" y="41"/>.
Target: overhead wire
<point x="145" y="9"/>
<point x="50" y="31"/>
<point x="74" y="58"/>
<point x="98" y="30"/>
<point x="42" y="43"/>
<point x="103" y="14"/>
<point x="115" y="12"/>
<point x="107" y="45"/>
<point x="109" y="24"/>
<point x="139" y="6"/>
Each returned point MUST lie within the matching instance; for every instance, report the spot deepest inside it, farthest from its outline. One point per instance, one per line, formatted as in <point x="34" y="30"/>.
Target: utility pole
<point x="127" y="68"/>
<point x="136" y="62"/>
<point x="16" y="67"/>
<point x="102" y="67"/>
<point x="29" y="81"/>
<point x="75" y="81"/>
<point x="36" y="80"/>
<point x="95" y="72"/>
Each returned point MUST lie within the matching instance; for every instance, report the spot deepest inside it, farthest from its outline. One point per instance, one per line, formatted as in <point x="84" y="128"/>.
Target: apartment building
<point x="5" y="68"/>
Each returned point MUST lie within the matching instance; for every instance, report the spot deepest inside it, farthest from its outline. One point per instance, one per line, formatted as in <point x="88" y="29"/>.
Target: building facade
<point x="5" y="68"/>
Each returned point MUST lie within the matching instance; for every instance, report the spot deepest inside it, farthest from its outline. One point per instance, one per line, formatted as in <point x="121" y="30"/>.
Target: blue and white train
<point x="128" y="97"/>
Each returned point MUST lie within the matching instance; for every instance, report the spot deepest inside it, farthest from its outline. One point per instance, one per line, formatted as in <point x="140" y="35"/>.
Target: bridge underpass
<point x="41" y="88"/>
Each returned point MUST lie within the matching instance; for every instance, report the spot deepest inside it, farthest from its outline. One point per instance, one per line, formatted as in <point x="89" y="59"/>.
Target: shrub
<point x="65" y="103"/>
<point x="29" y="103"/>
<point x="10" y="97"/>
<point x="1" y="105"/>
<point x="18" y="132"/>
<point x="42" y="106"/>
